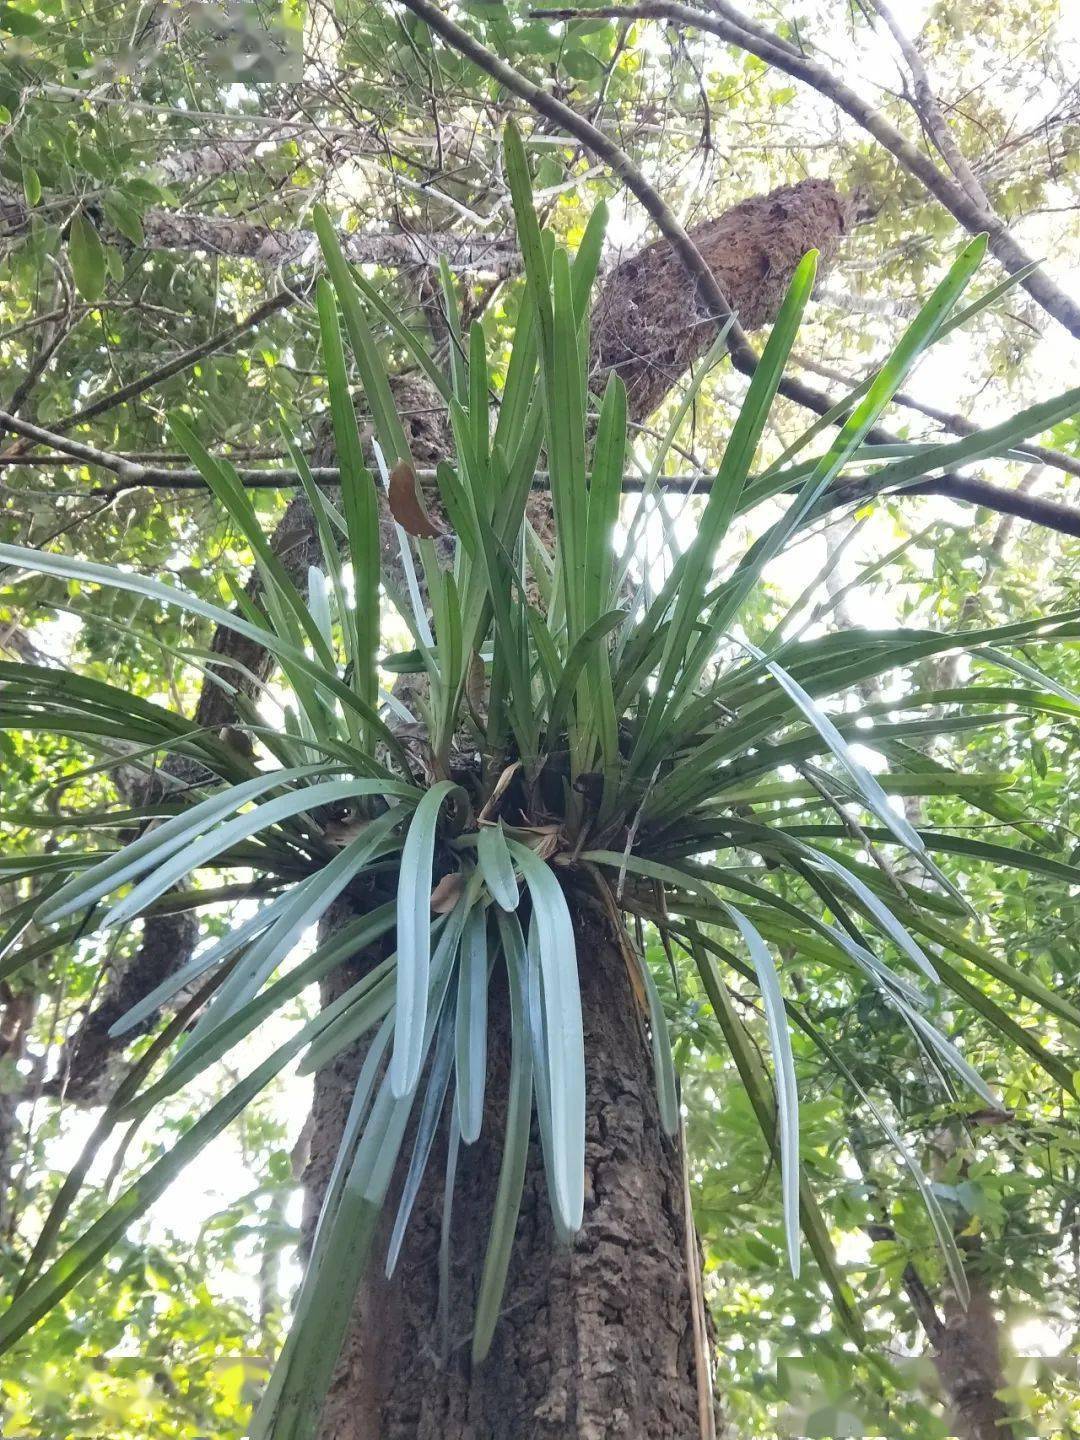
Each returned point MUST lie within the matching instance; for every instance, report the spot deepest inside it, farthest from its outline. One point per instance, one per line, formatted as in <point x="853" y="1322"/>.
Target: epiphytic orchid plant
<point x="591" y="732"/>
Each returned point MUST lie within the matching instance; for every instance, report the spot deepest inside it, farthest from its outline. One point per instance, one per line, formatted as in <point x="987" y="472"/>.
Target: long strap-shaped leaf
<point x="723" y="501"/>
<point x="787" y="1093"/>
<point x="294" y="1397"/>
<point x="442" y="1065"/>
<point x="515" y="1152"/>
<point x="565" y="1040"/>
<point x="471" y="1025"/>
<point x="667" y="1087"/>
<point x="162" y="841"/>
<point x="208" y="847"/>
<point x="223" y="480"/>
<point x="537" y="1026"/>
<point x="881" y="913"/>
<point x="748" y="1063"/>
<point x="236" y="938"/>
<point x="496" y="866"/>
<point x="359" y="500"/>
<point x="44" y="563"/>
<point x="81" y="1257"/>
<point x="414" y="938"/>
<point x="920" y="334"/>
<point x="197" y="1055"/>
<point x="304" y="907"/>
<point x="873" y="795"/>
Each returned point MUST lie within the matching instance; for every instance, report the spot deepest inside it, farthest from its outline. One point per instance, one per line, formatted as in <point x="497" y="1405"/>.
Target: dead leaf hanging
<point x="407" y="506"/>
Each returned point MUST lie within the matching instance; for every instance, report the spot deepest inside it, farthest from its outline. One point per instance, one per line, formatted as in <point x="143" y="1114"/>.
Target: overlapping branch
<point x="724" y="21"/>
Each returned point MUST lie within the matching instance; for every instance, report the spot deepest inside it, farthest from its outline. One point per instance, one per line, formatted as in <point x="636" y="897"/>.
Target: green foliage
<point x="638" y="751"/>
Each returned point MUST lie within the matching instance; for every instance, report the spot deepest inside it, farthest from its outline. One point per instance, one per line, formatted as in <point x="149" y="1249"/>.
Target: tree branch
<point x="742" y="353"/>
<point x="728" y="24"/>
<point x="929" y="111"/>
<point x="958" y="424"/>
<point x="241" y="240"/>
<point x="1065" y="519"/>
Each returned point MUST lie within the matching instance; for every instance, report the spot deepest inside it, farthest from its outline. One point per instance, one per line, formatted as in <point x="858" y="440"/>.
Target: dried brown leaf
<point x="407" y="505"/>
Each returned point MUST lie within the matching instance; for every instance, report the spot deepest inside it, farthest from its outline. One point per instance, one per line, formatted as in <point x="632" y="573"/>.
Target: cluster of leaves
<point x="635" y="747"/>
<point x="146" y="1346"/>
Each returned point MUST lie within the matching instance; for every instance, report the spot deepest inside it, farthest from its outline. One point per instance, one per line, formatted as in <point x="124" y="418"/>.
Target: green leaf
<point x="304" y="906"/>
<point x="689" y="590"/>
<point x="124" y="216"/>
<point x="414" y="938"/>
<point x="208" y="847"/>
<point x="514" y="1158"/>
<point x="471" y="1025"/>
<point x="45" y="563"/>
<point x="496" y="866"/>
<point x="19" y="21"/>
<point x="361" y="504"/>
<point x="80" y="1258"/>
<point x="565" y="1040"/>
<point x="667" y="1087"/>
<point x="196" y="1055"/>
<point x="161" y="842"/>
<point x="751" y="1072"/>
<point x="31" y="185"/>
<point x="881" y="913"/>
<point x="226" y="485"/>
<point x="582" y="652"/>
<point x="787" y="1093"/>
<point x="87" y="257"/>
<point x="442" y="1064"/>
<point x="873" y="795"/>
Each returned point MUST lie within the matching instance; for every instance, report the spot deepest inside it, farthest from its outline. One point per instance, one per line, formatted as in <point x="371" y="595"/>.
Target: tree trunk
<point x="964" y="1344"/>
<point x="967" y="1356"/>
<point x="595" y="1339"/>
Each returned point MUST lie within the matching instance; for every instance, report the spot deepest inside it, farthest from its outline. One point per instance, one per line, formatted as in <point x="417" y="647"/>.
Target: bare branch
<point x="724" y="21"/>
<point x="929" y="111"/>
<point x="1064" y="519"/>
<point x="242" y="240"/>
<point x="958" y="424"/>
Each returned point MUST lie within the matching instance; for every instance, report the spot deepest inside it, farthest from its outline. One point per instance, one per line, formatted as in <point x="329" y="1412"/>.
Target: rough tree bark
<point x="649" y="324"/>
<point x="594" y="1340"/>
<point x="17" y="1009"/>
<point x="967" y="1355"/>
<point x="244" y="240"/>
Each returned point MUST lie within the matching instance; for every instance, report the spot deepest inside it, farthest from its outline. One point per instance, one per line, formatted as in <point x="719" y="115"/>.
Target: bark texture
<point x="90" y="1066"/>
<point x="649" y="324"/>
<point x="595" y="1340"/>
<point x="967" y="1356"/>
<point x="17" y="1009"/>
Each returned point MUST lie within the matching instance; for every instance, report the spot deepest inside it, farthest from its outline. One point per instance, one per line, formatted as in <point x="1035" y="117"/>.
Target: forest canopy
<point x="539" y="700"/>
